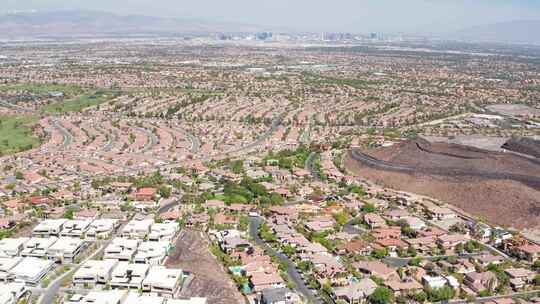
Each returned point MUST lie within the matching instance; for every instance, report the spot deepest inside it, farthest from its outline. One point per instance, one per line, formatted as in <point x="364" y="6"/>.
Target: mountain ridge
<point x="86" y="22"/>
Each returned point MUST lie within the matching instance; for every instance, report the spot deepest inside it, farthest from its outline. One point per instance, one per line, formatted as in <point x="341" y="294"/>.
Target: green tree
<point x="289" y="250"/>
<point x="165" y="191"/>
<point x="537" y="280"/>
<point x="341" y="218"/>
<point x="381" y="295"/>
<point x="440" y="294"/>
<point x="68" y="214"/>
<point x="276" y="199"/>
<point x="380" y="253"/>
<point x="420" y="297"/>
<point x="369" y="208"/>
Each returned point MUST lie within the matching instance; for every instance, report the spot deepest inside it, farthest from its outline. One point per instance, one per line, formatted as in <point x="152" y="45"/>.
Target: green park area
<point x="80" y="102"/>
<point x="42" y="89"/>
<point x="16" y="134"/>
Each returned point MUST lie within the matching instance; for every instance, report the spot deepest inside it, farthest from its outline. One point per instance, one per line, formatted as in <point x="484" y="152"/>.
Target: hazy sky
<point x="339" y="15"/>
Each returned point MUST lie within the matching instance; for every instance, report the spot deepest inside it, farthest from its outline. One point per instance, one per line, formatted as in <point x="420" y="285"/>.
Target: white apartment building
<point x="152" y="253"/>
<point x="163" y="232"/>
<point x="75" y="228"/>
<point x="50" y="227"/>
<point x="65" y="249"/>
<point x="99" y="297"/>
<point x="37" y="247"/>
<point x="102" y="228"/>
<point x="163" y="281"/>
<point x="121" y="249"/>
<point x="129" y="276"/>
<point x="11" y="292"/>
<point x="94" y="272"/>
<point x="137" y="229"/>
<point x="6" y="265"/>
<point x="12" y="247"/>
<point x="136" y="298"/>
<point x="30" y="271"/>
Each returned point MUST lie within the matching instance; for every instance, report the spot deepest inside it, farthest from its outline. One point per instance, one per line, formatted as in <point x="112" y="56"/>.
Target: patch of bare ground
<point x="523" y="145"/>
<point x="210" y="279"/>
<point x="502" y="201"/>
<point x="25" y="230"/>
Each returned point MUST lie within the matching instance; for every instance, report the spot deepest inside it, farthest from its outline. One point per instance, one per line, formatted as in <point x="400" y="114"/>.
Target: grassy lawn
<point x="41" y="89"/>
<point x="81" y="102"/>
<point x="16" y="135"/>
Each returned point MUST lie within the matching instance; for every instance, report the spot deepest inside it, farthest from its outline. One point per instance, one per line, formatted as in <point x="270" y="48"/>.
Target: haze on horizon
<point x="410" y="16"/>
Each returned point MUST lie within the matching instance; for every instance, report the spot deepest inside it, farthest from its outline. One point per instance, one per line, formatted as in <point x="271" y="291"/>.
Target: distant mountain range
<point x="97" y="23"/>
<point x="88" y="23"/>
<point x="520" y="31"/>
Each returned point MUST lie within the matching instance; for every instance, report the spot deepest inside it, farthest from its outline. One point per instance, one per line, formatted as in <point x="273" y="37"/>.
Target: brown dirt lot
<point x="211" y="281"/>
<point x="502" y="201"/>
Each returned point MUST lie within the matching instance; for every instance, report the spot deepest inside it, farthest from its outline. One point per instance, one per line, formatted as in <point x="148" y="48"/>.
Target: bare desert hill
<point x="503" y="188"/>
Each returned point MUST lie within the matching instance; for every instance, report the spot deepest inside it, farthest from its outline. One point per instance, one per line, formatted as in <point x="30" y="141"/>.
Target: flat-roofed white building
<point x="99" y="297"/>
<point x="31" y="270"/>
<point x="94" y="272"/>
<point x="47" y="228"/>
<point x="102" y="228"/>
<point x="163" y="231"/>
<point x="152" y="253"/>
<point x="121" y="249"/>
<point x="136" y="298"/>
<point x="65" y="249"/>
<point x="37" y="247"/>
<point x="194" y="300"/>
<point x="75" y="228"/>
<point x="129" y="275"/>
<point x="12" y="247"/>
<point x="6" y="265"/>
<point x="162" y="281"/>
<point x="137" y="229"/>
<point x="11" y="292"/>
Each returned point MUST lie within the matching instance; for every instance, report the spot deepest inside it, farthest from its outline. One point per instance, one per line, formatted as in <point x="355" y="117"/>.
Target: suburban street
<point x="296" y="277"/>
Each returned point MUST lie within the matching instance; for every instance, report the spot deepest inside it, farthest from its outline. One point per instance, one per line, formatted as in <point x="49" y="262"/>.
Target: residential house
<point x="355" y="293"/>
<point x="374" y="220"/>
<point x="478" y="281"/>
<point x="376" y="268"/>
<point x="520" y="277"/>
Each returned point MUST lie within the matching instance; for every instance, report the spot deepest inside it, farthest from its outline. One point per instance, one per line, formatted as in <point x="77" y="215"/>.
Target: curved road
<point x="275" y="125"/>
<point x="68" y="138"/>
<point x="152" y="139"/>
<point x="254" y="225"/>
<point x="309" y="166"/>
<point x="195" y="142"/>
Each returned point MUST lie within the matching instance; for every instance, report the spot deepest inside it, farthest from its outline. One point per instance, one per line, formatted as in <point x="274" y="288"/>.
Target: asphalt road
<point x="52" y="290"/>
<point x="68" y="138"/>
<point x="300" y="286"/>
<point x="152" y="139"/>
<point x="351" y="228"/>
<point x="489" y="299"/>
<point x="169" y="206"/>
<point x="401" y="262"/>
<point x="309" y="165"/>
<point x="275" y="125"/>
<point x="195" y="142"/>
